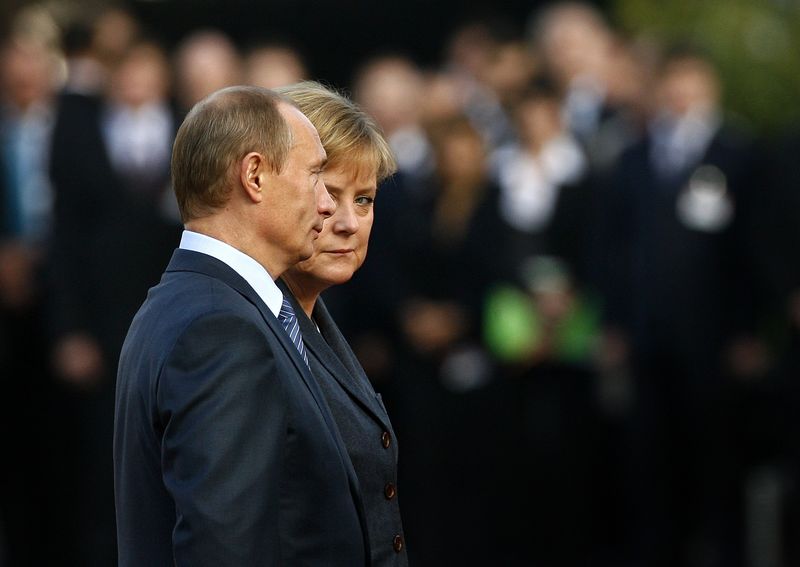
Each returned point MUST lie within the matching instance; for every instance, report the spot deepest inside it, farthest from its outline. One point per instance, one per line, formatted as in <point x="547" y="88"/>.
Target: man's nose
<point x="325" y="204"/>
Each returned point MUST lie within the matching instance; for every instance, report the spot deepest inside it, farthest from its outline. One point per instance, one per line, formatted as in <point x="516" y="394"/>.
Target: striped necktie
<point x="292" y="326"/>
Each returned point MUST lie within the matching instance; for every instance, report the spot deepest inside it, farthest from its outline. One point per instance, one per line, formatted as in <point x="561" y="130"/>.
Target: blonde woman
<point x="358" y="159"/>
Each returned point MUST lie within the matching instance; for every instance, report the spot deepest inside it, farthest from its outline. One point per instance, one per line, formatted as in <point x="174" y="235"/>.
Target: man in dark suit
<point x="225" y="450"/>
<point x="678" y="288"/>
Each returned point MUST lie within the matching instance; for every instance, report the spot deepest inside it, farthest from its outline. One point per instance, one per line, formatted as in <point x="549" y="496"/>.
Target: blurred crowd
<point x="581" y="302"/>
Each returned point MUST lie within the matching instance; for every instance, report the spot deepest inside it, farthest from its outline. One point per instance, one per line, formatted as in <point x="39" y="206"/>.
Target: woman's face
<point x="342" y="245"/>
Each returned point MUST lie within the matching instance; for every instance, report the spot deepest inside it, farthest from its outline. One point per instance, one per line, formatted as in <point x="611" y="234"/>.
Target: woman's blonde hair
<point x="351" y="138"/>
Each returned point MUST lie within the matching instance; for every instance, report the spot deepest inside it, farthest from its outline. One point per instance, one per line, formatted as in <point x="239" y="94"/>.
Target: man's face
<point x="297" y="201"/>
<point x="688" y="85"/>
<point x="342" y="247"/>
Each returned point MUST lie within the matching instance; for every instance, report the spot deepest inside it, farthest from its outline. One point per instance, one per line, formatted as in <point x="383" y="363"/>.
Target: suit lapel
<point x="330" y="347"/>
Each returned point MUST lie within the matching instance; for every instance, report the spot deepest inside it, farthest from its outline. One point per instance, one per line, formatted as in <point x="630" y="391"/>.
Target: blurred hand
<point x="17" y="267"/>
<point x="793" y="308"/>
<point x="78" y="361"/>
<point x="615" y="388"/>
<point x="554" y="305"/>
<point x="613" y="351"/>
<point x="747" y="358"/>
<point x="431" y="326"/>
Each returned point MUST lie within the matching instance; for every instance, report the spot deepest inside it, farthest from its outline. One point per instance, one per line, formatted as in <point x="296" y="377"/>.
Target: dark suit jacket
<point x="364" y="426"/>
<point x="225" y="452"/>
<point x="670" y="284"/>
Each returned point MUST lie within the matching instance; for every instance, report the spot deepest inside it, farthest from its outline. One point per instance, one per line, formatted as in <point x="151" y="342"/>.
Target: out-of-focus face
<point x="511" y="69"/>
<point x="204" y="64"/>
<point x="273" y="67"/>
<point x="26" y="73"/>
<point x="342" y="247"/>
<point x="142" y="78"/>
<point x="461" y="158"/>
<point x="115" y="31"/>
<point x="392" y="91"/>
<point x="296" y="201"/>
<point x="688" y="85"/>
<point x="443" y="97"/>
<point x="575" y="45"/>
<point x="539" y="120"/>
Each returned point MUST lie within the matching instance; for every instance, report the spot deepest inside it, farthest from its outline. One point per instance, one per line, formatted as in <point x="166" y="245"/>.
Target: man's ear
<point x="253" y="176"/>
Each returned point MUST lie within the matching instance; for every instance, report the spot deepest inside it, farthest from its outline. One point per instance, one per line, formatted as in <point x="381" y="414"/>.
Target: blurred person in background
<point x="628" y="73"/>
<point x="205" y="61"/>
<point x="555" y="466"/>
<point x="573" y="41"/>
<point x="114" y="31"/>
<point x="358" y="159"/>
<point x="680" y="293"/>
<point x="272" y="65"/>
<point x="511" y="69"/>
<point x="447" y="245"/>
<point x="85" y="74"/>
<point x="490" y="65"/>
<point x="94" y="45"/>
<point x="581" y="54"/>
<point x="773" y="405"/>
<point x="110" y="170"/>
<point x="443" y="395"/>
<point x="30" y="74"/>
<point x="540" y="323"/>
<point x="392" y="89"/>
<point x="543" y="201"/>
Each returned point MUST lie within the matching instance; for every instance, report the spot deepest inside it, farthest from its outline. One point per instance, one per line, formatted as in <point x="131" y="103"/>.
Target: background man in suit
<point x="680" y="271"/>
<point x="225" y="450"/>
<point x="110" y="171"/>
<point x="27" y="91"/>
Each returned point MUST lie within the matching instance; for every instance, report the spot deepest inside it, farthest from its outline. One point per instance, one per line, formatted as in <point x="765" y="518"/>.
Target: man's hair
<point x="351" y="138"/>
<point x="216" y="135"/>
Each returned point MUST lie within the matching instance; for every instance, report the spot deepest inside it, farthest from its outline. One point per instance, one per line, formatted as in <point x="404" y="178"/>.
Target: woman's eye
<point x="364" y="200"/>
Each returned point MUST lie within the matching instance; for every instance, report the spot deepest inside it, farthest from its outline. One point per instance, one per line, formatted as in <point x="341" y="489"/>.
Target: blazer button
<point x="397" y="543"/>
<point x="389" y="491"/>
<point x="386" y="439"/>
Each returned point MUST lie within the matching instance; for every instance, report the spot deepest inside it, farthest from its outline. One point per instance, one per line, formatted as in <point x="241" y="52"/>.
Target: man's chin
<point x="305" y="254"/>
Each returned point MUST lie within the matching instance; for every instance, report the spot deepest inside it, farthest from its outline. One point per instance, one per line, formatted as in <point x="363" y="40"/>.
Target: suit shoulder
<point x="181" y="301"/>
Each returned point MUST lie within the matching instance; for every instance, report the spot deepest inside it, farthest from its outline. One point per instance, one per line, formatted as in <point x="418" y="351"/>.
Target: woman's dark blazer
<point x="364" y="426"/>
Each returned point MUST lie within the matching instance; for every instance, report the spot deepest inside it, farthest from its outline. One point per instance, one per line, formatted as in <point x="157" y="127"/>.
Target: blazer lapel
<point x="331" y="348"/>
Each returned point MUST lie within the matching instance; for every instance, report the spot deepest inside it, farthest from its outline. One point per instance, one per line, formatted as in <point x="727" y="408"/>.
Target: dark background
<point x="334" y="36"/>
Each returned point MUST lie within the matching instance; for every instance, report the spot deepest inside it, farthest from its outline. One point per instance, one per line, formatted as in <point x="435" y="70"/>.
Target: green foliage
<point x="754" y="43"/>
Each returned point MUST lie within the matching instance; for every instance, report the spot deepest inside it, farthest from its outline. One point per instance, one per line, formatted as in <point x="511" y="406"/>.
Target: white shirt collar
<point x="254" y="273"/>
